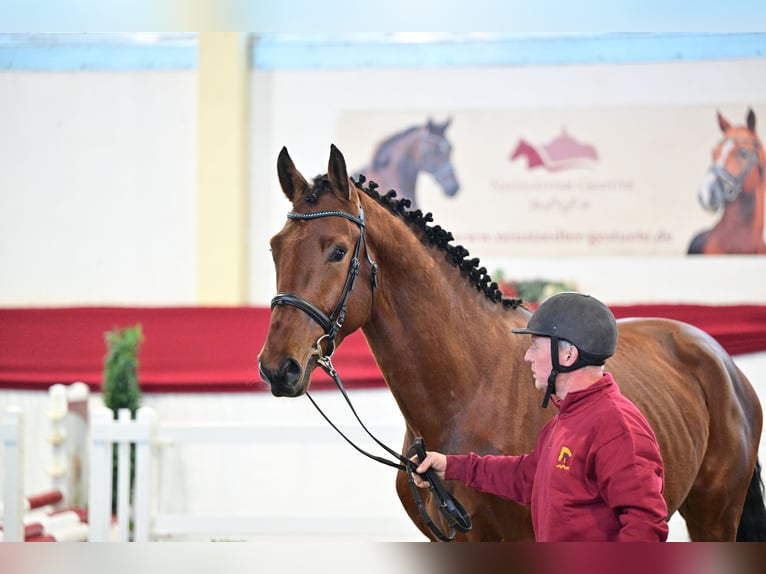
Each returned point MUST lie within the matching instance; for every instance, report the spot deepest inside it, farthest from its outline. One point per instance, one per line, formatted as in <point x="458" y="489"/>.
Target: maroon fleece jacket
<point x="595" y="473"/>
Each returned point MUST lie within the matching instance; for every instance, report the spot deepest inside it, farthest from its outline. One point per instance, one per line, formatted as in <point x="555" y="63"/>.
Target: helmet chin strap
<point x="557" y="368"/>
<point x="551" y="388"/>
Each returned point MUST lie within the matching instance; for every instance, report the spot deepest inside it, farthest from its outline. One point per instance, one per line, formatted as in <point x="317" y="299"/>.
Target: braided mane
<point x="435" y="234"/>
<point x="440" y="238"/>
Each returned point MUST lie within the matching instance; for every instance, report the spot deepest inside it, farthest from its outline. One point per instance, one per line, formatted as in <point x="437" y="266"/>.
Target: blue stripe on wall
<point x="371" y="50"/>
<point x="275" y="52"/>
<point x="57" y="52"/>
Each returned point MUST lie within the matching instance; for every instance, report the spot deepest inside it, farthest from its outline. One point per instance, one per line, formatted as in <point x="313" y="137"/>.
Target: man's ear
<point x="570" y="355"/>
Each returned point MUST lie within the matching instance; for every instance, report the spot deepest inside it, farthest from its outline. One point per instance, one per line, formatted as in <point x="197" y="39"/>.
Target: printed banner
<point x="551" y="182"/>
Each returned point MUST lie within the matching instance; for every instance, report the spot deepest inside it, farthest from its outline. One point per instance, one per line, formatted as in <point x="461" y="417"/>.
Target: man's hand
<point x="435" y="461"/>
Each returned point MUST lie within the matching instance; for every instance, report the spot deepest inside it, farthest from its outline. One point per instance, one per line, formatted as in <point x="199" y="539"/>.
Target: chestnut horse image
<point x="350" y="258"/>
<point x="734" y="184"/>
<point x="399" y="159"/>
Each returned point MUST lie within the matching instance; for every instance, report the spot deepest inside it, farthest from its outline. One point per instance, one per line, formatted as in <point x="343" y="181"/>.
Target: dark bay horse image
<point x="349" y="257"/>
<point x="734" y="184"/>
<point x="399" y="159"/>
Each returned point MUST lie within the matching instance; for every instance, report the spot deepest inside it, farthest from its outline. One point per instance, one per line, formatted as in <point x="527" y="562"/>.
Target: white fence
<point x="12" y="437"/>
<point x="197" y="478"/>
<point x="151" y="436"/>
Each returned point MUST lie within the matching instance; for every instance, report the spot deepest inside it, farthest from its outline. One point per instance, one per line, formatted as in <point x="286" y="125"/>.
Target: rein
<point x="449" y="507"/>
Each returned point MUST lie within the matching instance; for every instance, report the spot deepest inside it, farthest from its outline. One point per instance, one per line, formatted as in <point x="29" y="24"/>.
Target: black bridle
<point x="449" y="507"/>
<point x="332" y="324"/>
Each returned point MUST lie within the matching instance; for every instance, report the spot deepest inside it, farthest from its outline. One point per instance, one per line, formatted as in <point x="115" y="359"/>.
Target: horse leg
<point x="713" y="507"/>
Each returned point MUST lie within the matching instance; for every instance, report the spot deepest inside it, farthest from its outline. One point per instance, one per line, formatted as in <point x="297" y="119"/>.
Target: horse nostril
<point x="283" y="381"/>
<point x="290" y="372"/>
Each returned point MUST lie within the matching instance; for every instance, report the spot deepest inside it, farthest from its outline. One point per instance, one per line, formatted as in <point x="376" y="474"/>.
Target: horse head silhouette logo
<point x="565" y="456"/>
<point x="560" y="154"/>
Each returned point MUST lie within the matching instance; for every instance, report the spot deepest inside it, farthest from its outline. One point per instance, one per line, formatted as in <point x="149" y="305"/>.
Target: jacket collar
<point x="576" y="399"/>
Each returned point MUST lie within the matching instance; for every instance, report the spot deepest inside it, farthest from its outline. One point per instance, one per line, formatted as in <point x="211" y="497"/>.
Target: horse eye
<point x="743" y="153"/>
<point x="338" y="254"/>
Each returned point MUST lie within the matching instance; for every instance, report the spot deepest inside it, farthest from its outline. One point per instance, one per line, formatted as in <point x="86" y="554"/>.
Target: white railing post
<point x="100" y="484"/>
<point x="123" y="480"/>
<point x="77" y="460"/>
<point x="58" y="407"/>
<point x="12" y="435"/>
<point x="143" y="508"/>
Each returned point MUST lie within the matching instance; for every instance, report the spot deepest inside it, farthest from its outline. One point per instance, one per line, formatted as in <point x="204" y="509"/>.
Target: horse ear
<point x="751" y="120"/>
<point x="723" y="123"/>
<point x="292" y="182"/>
<point x="337" y="172"/>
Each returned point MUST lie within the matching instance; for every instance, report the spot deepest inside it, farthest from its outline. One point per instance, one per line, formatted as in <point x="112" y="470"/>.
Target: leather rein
<point x="455" y="515"/>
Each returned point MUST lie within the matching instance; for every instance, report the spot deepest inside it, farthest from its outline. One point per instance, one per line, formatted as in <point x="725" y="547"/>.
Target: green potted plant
<point x="121" y="385"/>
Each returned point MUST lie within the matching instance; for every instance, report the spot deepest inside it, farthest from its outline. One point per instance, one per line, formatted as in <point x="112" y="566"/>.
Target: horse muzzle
<point x="711" y="193"/>
<point x="287" y="380"/>
<point x="445" y="177"/>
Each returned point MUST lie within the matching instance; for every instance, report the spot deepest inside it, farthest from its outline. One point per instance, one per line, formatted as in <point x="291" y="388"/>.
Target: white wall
<point x="97" y="188"/>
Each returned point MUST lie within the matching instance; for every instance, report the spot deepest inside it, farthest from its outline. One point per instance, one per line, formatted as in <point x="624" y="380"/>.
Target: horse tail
<point x="752" y="523"/>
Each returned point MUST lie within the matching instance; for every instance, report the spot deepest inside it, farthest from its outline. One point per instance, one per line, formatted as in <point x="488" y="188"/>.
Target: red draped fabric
<point x="214" y="349"/>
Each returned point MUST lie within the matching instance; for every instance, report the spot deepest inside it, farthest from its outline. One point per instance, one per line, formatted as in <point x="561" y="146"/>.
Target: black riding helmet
<point x="580" y="319"/>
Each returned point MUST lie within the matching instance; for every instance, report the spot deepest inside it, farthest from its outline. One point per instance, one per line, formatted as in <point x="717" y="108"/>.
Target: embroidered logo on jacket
<point x="564" y="457"/>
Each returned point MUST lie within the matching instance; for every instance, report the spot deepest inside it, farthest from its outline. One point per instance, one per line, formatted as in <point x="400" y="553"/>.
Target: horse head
<point x="734" y="184"/>
<point x="737" y="168"/>
<point x="525" y="149"/>
<point x="434" y="155"/>
<point x="317" y="256"/>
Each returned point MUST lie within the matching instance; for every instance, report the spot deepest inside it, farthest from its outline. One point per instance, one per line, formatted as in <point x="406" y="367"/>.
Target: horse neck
<point x="431" y="331"/>
<point x="749" y="227"/>
<point x="760" y="204"/>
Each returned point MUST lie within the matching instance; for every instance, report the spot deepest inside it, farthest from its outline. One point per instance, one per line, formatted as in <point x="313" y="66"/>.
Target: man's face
<point x="538" y="356"/>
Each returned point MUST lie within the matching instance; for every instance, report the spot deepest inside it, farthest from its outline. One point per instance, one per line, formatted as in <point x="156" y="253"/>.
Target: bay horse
<point x="350" y="258"/>
<point x="734" y="183"/>
<point x="398" y="160"/>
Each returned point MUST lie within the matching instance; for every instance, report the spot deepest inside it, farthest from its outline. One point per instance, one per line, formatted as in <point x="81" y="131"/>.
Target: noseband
<point x="449" y="507"/>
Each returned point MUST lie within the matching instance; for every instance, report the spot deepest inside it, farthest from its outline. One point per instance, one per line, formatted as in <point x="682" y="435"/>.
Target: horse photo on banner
<point x="399" y="159"/>
<point x="616" y="181"/>
<point x="734" y="188"/>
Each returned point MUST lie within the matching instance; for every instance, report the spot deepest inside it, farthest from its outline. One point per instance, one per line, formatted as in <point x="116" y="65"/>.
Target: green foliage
<point x="539" y="290"/>
<point x="121" y="386"/>
<point x="532" y="290"/>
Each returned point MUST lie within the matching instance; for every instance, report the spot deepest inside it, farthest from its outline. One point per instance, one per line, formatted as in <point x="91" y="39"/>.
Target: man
<point x="596" y="473"/>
